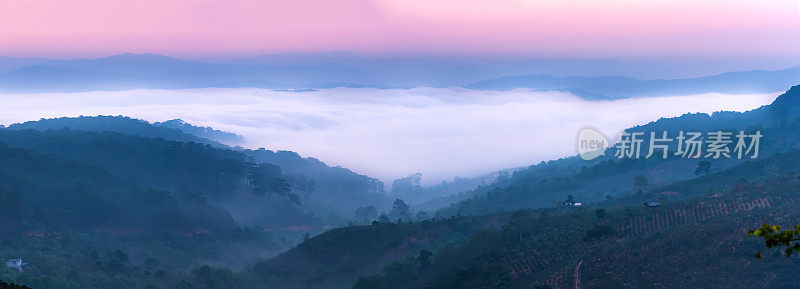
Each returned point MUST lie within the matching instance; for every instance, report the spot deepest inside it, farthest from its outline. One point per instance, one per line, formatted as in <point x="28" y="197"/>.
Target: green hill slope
<point x="337" y="190"/>
<point x="696" y="242"/>
<point x="550" y="182"/>
<point x="48" y="193"/>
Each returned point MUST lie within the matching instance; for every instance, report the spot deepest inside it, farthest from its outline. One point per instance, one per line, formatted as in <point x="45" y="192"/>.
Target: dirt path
<point x="578" y="275"/>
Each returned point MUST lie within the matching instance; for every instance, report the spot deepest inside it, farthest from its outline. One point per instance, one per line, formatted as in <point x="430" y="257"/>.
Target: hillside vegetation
<point x="113" y="202"/>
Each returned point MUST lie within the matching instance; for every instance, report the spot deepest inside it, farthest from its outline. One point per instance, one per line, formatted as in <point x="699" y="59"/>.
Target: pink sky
<point x="553" y="28"/>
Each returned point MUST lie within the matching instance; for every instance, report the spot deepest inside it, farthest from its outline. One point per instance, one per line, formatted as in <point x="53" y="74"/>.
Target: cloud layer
<point x="387" y="133"/>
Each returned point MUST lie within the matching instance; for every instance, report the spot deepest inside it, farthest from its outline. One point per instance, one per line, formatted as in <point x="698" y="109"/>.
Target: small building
<point x="651" y="204"/>
<point x="15" y="264"/>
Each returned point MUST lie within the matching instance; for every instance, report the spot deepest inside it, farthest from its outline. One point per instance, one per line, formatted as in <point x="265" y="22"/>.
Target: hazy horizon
<point x="648" y="67"/>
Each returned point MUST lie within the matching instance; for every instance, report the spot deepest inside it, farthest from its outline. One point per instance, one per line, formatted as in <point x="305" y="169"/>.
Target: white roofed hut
<point x="15" y="264"/>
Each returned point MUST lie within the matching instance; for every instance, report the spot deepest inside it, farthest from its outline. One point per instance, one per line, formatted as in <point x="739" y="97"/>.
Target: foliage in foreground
<point x="775" y="236"/>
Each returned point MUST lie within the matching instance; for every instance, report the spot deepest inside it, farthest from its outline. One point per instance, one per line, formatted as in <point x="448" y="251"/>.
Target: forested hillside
<point x="120" y="124"/>
<point x="107" y="207"/>
<point x="46" y="193"/>
<point x="335" y="187"/>
<point x="695" y="223"/>
<point x="335" y="258"/>
<point x="336" y="190"/>
<point x="192" y="170"/>
<point x="114" y="202"/>
<point x="604" y="245"/>
<point x="697" y="227"/>
<point x="80" y="226"/>
<point x="550" y="182"/>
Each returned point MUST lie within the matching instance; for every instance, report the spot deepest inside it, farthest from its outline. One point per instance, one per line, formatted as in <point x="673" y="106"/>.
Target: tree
<point x="422" y="216"/>
<point x="115" y="265"/>
<point x="121" y="256"/>
<point x="400" y="209"/>
<point x="370" y="282"/>
<point x="184" y="285"/>
<point x="425" y="258"/>
<point x="408" y="187"/>
<point x="267" y="179"/>
<point x="703" y="168"/>
<point x="4" y="285"/>
<point x="366" y="214"/>
<point x="151" y="262"/>
<point x="570" y="200"/>
<point x="640" y="184"/>
<point x="598" y="231"/>
<point x="600" y="214"/>
<point x="208" y="277"/>
<point x="774" y="236"/>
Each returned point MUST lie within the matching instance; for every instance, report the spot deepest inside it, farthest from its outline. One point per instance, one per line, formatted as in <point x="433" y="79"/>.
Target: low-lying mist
<point x="387" y="133"/>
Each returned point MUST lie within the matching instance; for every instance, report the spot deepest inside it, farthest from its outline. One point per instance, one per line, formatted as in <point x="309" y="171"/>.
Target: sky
<point x="387" y="133"/>
<point x="524" y="28"/>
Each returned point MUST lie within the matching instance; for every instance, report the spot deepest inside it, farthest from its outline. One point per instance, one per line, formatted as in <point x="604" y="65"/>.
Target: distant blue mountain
<point x="131" y="71"/>
<point x="12" y="63"/>
<point x="341" y="69"/>
<point x="756" y="81"/>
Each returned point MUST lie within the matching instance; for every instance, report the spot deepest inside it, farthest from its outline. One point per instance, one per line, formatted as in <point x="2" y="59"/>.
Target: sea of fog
<point x="387" y="133"/>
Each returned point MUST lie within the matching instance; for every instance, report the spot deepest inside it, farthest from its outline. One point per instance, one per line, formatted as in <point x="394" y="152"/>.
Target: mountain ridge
<point x="753" y="81"/>
<point x="132" y="71"/>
